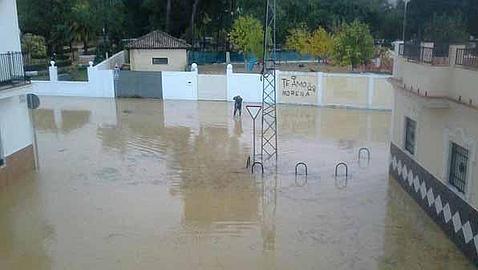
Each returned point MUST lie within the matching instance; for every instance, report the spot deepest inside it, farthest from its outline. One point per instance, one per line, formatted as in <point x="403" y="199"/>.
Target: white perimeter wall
<point x="212" y="87"/>
<point x="100" y="84"/>
<point x="9" y="30"/>
<point x="180" y="85"/>
<point x="248" y="86"/>
<point x="369" y="91"/>
<point x="110" y="63"/>
<point x="15" y="129"/>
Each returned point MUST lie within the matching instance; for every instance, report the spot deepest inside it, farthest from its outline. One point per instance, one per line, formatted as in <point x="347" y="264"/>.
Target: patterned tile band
<point x="457" y="218"/>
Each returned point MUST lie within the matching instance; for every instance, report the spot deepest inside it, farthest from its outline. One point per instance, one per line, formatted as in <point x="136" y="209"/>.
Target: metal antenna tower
<point x="269" y="110"/>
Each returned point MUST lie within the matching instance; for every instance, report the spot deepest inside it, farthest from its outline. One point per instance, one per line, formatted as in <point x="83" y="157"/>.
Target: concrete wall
<point x="298" y="88"/>
<point x="141" y="59"/>
<point x="110" y="63"/>
<point x="346" y="90"/>
<point x="435" y="80"/>
<point x="15" y="127"/>
<point x="248" y="86"/>
<point x="100" y="84"/>
<point x="464" y="84"/>
<point x="437" y="127"/>
<point x="212" y="87"/>
<point x="369" y="91"/>
<point x="450" y="81"/>
<point x="180" y="85"/>
<point x="9" y="30"/>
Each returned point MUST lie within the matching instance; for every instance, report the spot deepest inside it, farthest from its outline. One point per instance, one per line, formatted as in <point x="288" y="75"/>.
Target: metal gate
<point x="139" y="84"/>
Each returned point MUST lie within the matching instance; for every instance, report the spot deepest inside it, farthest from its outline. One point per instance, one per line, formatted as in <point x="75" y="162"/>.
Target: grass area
<point x="299" y="67"/>
<point x="76" y="73"/>
<point x="71" y="73"/>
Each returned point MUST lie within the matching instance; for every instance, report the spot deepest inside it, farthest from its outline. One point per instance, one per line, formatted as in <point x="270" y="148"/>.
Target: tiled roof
<point x="158" y="40"/>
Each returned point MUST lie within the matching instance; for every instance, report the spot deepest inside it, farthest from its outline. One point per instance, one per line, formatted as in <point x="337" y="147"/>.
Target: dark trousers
<point x="238" y="108"/>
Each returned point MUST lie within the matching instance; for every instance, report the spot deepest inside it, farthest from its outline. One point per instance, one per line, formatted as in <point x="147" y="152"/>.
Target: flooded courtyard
<point x="148" y="184"/>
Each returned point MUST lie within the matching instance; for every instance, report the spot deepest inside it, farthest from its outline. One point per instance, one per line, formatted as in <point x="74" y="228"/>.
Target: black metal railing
<point x="467" y="57"/>
<point x="11" y="68"/>
<point x="438" y="54"/>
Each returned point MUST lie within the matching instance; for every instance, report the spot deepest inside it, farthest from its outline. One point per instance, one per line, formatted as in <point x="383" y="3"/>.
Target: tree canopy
<point x="247" y="36"/>
<point x="317" y="43"/>
<point x="61" y="22"/>
<point x="353" y="44"/>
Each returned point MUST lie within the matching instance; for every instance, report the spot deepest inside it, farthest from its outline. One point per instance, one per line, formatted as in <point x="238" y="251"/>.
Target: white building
<point x="158" y="51"/>
<point x="16" y="147"/>
<point x="435" y="135"/>
<point x="9" y="30"/>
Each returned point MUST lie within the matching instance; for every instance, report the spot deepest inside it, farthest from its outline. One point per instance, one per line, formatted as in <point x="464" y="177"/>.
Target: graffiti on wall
<point x="298" y="89"/>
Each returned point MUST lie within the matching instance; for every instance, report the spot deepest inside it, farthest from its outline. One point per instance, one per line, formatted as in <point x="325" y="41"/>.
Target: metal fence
<point x="467" y="57"/>
<point x="11" y="68"/>
<point x="438" y="54"/>
<point x="211" y="57"/>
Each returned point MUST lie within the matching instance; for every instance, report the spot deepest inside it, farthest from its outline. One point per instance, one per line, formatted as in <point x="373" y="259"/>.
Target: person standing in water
<point x="237" y="105"/>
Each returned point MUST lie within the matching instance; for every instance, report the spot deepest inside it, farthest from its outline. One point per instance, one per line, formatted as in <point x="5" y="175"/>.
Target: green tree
<point x="445" y="28"/>
<point x="84" y="24"/>
<point x="34" y="45"/>
<point x="353" y="44"/>
<point x="247" y="36"/>
<point x="298" y="40"/>
<point x="321" y="43"/>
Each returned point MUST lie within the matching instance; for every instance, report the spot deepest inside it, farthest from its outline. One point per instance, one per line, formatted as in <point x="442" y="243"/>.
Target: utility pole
<point x="269" y="104"/>
<point x="404" y="20"/>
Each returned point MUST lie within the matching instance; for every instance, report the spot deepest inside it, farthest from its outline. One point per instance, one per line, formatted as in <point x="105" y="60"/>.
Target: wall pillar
<point x="229" y="73"/>
<point x="53" y="72"/>
<point x="452" y="53"/>
<point x="194" y="67"/>
<point x="228" y="57"/>
<point x="396" y="55"/>
<point x="320" y="90"/>
<point x="90" y="70"/>
<point x="371" y="90"/>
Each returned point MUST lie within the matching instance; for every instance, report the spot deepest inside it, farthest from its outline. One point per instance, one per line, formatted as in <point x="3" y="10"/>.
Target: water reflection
<point x="145" y="184"/>
<point x="65" y="121"/>
<point x="72" y="120"/>
<point x="25" y="235"/>
<point x="408" y="238"/>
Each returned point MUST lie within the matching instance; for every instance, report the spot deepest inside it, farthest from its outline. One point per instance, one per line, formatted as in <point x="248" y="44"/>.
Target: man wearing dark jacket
<point x="237" y="105"/>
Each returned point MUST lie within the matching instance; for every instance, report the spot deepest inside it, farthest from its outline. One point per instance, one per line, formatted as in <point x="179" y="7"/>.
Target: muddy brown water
<point x="144" y="184"/>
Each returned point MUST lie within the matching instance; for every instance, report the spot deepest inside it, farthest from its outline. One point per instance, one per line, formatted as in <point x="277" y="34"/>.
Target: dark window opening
<point x="160" y="61"/>
<point x="410" y="130"/>
<point x="458" y="167"/>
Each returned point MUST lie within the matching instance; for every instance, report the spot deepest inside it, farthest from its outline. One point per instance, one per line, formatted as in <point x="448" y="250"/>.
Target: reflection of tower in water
<point x="269" y="205"/>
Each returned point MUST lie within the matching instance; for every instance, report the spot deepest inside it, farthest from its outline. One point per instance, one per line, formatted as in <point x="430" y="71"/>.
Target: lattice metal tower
<point x="269" y="110"/>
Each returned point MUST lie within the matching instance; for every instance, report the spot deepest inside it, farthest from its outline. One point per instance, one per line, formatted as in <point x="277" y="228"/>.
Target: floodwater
<point x="144" y="184"/>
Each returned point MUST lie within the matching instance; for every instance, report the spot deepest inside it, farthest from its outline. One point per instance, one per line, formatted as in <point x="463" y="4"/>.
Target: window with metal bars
<point x="410" y="129"/>
<point x="160" y="61"/>
<point x="458" y="167"/>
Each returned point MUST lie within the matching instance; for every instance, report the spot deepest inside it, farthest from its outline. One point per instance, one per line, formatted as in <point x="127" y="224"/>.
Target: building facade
<point x="435" y="134"/>
<point x="158" y="51"/>
<point x="9" y="30"/>
<point x="16" y="137"/>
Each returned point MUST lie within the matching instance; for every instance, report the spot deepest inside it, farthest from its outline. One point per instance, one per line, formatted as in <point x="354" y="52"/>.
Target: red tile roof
<point x="158" y="40"/>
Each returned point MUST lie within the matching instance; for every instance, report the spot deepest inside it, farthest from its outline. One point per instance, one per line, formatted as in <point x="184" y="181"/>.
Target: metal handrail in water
<point x="344" y="165"/>
<point x="297" y="166"/>
<point x="257" y="163"/>
<point x="362" y="150"/>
